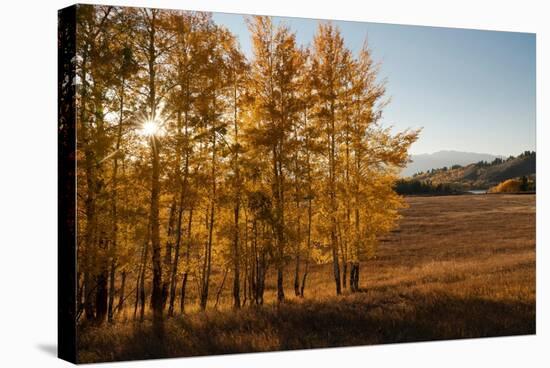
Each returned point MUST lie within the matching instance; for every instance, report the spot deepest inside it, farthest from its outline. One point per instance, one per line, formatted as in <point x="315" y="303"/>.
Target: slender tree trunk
<point x="236" y="208"/>
<point x="297" y="273"/>
<point x="136" y="302"/>
<point x="207" y="265"/>
<point x="356" y="276"/>
<point x="141" y="288"/>
<point x="114" y="209"/>
<point x="297" y="250"/>
<point x="112" y="274"/>
<point x="101" y="294"/>
<point x="88" y="291"/>
<point x="279" y="225"/>
<point x="309" y="204"/>
<point x="183" y="289"/>
<point x="156" y="297"/>
<point x="335" y="262"/>
<point x="261" y="275"/>
<point x="246" y="280"/>
<point x="142" y="296"/>
<point x="89" y="202"/>
<point x="121" y="296"/>
<point x="351" y="278"/>
<point x="140" y="283"/>
<point x="166" y="278"/>
<point x="187" y="259"/>
<point x="255" y="261"/>
<point x="332" y="190"/>
<point x="297" y="200"/>
<point x="219" y="293"/>
<point x="309" y="221"/>
<point x="342" y="245"/>
<point x="182" y="189"/>
<point x="333" y="237"/>
<point x="174" y="273"/>
<point x="103" y="242"/>
<point x="90" y="241"/>
<point x="236" y="260"/>
<point x="344" y="274"/>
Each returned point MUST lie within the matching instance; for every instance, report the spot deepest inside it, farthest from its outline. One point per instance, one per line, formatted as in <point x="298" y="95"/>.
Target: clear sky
<point x="470" y="90"/>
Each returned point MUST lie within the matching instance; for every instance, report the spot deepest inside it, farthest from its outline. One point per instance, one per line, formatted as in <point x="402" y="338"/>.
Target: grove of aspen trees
<point x="196" y="161"/>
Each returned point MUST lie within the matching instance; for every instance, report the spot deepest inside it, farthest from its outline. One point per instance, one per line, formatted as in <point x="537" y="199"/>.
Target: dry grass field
<point x="457" y="267"/>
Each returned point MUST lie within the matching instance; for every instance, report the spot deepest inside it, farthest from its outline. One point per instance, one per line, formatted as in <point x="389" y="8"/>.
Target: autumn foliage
<point x="196" y="160"/>
<point x="516" y="185"/>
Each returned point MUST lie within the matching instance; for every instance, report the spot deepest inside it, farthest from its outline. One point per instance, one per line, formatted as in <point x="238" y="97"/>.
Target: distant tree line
<point x="479" y="164"/>
<point x="412" y="186"/>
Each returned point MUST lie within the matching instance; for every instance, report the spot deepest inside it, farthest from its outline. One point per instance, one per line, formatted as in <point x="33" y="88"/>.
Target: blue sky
<point x="470" y="90"/>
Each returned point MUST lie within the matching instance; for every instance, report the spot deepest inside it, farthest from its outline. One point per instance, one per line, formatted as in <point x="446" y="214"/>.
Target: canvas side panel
<point x="66" y="187"/>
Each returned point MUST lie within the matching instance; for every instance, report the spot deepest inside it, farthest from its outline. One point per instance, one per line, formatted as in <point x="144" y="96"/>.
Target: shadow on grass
<point x="350" y="321"/>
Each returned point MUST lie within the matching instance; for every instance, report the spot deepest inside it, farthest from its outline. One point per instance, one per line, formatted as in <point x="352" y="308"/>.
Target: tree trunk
<point x="221" y="288"/>
<point x="166" y="278"/>
<point x="335" y="263"/>
<point x="309" y="204"/>
<point x="262" y="270"/>
<point x="142" y="280"/>
<point x="261" y="278"/>
<point x="156" y="296"/>
<point x="207" y="265"/>
<point x="356" y="278"/>
<point x="174" y="273"/>
<point x="121" y="297"/>
<point x="187" y="259"/>
<point x="88" y="291"/>
<point x="255" y="261"/>
<point x="279" y="224"/>
<point x="140" y="284"/>
<point x="111" y="302"/>
<point x="351" y="276"/>
<point x="333" y="206"/>
<point x="246" y="280"/>
<point x="236" y="208"/>
<point x="344" y="273"/>
<point x="101" y="296"/>
<point x="114" y="209"/>
<point x="182" y="189"/>
<point x="183" y="289"/>
<point x="89" y="202"/>
<point x="298" y="240"/>
<point x="309" y="221"/>
<point x="236" y="258"/>
<point x="297" y="275"/>
<point x="136" y="302"/>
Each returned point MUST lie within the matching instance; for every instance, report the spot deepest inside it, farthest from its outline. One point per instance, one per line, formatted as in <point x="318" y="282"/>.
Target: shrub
<point x="507" y="186"/>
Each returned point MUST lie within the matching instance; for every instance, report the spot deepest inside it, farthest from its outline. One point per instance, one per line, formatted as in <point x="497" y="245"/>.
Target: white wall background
<point x="28" y="166"/>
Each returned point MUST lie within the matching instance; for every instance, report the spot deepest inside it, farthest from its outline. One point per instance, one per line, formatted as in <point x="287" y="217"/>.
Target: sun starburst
<point x="152" y="128"/>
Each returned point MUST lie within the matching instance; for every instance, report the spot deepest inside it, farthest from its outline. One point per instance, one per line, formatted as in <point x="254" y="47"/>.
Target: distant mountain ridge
<point x="482" y="174"/>
<point x="428" y="161"/>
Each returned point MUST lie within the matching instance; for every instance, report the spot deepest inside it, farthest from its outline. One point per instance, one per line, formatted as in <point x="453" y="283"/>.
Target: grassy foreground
<point x="458" y="267"/>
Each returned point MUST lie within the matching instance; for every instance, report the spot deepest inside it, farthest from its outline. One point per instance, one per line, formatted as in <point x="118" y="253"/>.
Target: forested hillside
<point x="483" y="174"/>
<point x="427" y="161"/>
